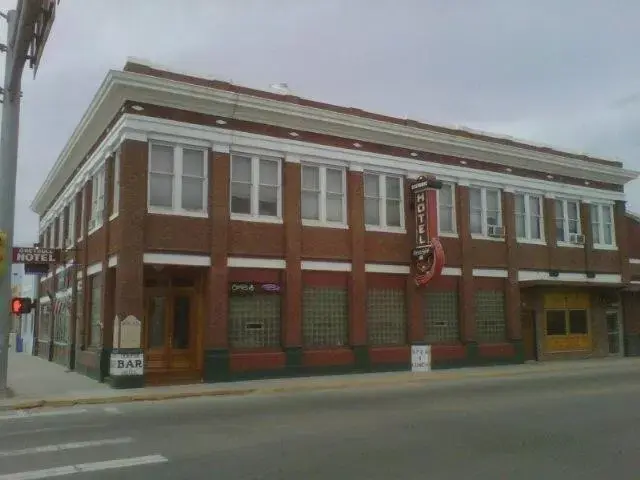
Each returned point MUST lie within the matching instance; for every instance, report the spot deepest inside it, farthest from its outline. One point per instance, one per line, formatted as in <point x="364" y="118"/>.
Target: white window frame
<point x="97" y="200"/>
<point x="255" y="189"/>
<point x="176" y="201"/>
<point x="599" y="242"/>
<point x="71" y="230"/>
<point x="564" y="242"/>
<point x="83" y="213"/>
<point x="484" y="235"/>
<point x="382" y="203"/>
<point x="115" y="202"/>
<point x="60" y="232"/>
<point x="454" y="219"/>
<point x="322" y="194"/>
<point x="527" y="218"/>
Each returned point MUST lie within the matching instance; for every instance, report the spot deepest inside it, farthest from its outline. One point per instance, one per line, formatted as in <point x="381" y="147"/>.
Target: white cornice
<point x="141" y="127"/>
<point x="118" y="86"/>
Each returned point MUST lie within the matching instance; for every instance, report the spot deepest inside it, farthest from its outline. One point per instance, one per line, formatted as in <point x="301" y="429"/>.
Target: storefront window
<point x="490" y="319"/>
<point x="440" y="314"/>
<point x="325" y="317"/>
<point x="254" y="320"/>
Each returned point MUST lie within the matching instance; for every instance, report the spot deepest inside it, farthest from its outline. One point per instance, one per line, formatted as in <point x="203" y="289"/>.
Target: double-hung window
<point x="446" y="209"/>
<point x="323" y="195"/>
<point x="256" y="187"/>
<point x="61" y="225"/>
<point x="529" y="216"/>
<point x="115" y="205"/>
<point x="83" y="212"/>
<point x="602" y="225"/>
<point x="568" y="225"/>
<point x="485" y="210"/>
<point x="97" y="200"/>
<point x="177" y="180"/>
<point x="71" y="228"/>
<point x="383" y="201"/>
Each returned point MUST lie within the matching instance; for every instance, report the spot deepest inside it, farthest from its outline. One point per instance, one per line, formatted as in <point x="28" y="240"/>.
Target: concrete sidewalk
<point x="37" y="383"/>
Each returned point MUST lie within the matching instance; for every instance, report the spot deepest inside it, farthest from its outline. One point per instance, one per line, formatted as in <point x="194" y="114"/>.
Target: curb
<point x="407" y="379"/>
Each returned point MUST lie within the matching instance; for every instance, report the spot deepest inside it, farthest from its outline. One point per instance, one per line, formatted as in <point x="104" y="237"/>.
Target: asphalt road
<point x="582" y="426"/>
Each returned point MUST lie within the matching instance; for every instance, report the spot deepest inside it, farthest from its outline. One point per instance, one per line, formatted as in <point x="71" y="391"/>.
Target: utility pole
<point x="28" y="29"/>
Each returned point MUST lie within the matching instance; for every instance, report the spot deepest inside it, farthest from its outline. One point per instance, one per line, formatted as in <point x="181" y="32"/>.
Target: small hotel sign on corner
<point x="428" y="254"/>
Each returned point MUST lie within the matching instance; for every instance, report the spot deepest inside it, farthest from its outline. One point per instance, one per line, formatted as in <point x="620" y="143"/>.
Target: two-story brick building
<point x="256" y="234"/>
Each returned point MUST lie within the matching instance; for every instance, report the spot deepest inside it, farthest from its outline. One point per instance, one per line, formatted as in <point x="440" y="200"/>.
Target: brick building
<point x="256" y="234"/>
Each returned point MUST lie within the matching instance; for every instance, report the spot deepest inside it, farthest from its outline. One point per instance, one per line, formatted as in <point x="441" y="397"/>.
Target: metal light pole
<point x="28" y="30"/>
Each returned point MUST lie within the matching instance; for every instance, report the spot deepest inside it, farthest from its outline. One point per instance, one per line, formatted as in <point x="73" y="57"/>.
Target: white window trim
<point x="177" y="182"/>
<point x="604" y="246"/>
<point x="483" y="199"/>
<point x="97" y="200"/>
<point x="323" y="222"/>
<point x="454" y="212"/>
<point x="83" y="213"/>
<point x="115" y="202"/>
<point x="60" y="232"/>
<point x="565" y="214"/>
<point x="527" y="217"/>
<point x="382" y="186"/>
<point x="255" y="190"/>
<point x="71" y="231"/>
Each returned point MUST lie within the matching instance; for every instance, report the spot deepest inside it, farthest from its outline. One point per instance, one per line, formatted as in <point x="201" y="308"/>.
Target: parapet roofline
<point x="134" y="64"/>
<point x="161" y="82"/>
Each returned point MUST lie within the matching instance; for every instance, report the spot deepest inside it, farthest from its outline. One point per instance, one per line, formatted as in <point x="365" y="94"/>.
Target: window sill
<point x="250" y="218"/>
<point x="476" y="236"/>
<point x="321" y="224"/>
<point x="178" y="213"/>
<point x="113" y="216"/>
<point x="94" y="229"/>
<point x="569" y="245"/>
<point x="378" y="228"/>
<point x="531" y="241"/>
<point x="597" y="246"/>
<point x="448" y="234"/>
<point x="80" y="238"/>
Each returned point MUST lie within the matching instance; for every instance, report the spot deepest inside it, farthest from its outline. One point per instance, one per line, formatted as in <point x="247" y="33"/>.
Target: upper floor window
<point x="115" y="203"/>
<point x="83" y="212"/>
<point x="60" y="231"/>
<point x="485" y="212"/>
<point x="529" y="216"/>
<point x="446" y="209"/>
<point x="383" y="201"/>
<point x="177" y="180"/>
<point x="97" y="200"/>
<point x="602" y="228"/>
<point x="71" y="223"/>
<point x="323" y="194"/>
<point x="568" y="225"/>
<point x="256" y="186"/>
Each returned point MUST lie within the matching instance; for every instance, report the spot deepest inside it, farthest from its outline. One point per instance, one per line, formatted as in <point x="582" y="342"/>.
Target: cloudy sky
<point x="561" y="72"/>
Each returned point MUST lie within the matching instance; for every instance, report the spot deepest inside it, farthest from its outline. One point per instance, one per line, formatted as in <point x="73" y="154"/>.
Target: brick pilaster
<point x="292" y="314"/>
<point x="466" y="296"/>
<point x="357" y="279"/>
<point x="512" y="289"/>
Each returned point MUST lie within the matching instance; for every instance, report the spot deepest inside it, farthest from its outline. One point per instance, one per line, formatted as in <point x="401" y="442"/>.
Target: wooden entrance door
<point x="528" y="319"/>
<point x="171" y="329"/>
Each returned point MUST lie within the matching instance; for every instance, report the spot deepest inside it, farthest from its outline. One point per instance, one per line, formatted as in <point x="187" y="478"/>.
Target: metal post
<point x="8" y="173"/>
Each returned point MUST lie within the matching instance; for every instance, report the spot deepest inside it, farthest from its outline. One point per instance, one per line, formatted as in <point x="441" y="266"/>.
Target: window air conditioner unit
<point x="495" y="231"/>
<point x="576" y="239"/>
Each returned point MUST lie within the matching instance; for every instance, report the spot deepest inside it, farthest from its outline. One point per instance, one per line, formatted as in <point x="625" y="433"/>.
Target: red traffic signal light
<point x="21" y="305"/>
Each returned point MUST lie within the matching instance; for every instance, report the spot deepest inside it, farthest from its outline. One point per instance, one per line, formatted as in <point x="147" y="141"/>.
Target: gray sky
<point x="559" y="72"/>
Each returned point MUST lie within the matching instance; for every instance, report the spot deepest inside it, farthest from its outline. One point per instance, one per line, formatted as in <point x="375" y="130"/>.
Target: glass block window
<point x="490" y="318"/>
<point x="62" y="321"/>
<point x="44" y="321"/>
<point x="325" y="316"/>
<point x="440" y="316"/>
<point x="254" y="321"/>
<point x="386" y="317"/>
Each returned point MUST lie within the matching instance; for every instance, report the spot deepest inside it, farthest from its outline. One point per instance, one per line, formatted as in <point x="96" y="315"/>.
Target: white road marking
<point x="65" y="446"/>
<point x="21" y="414"/>
<point x="113" y="410"/>
<point x="85" y="467"/>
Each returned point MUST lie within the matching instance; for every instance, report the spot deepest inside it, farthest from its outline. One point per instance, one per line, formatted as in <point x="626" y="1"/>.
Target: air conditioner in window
<point x="576" y="238"/>
<point x="495" y="231"/>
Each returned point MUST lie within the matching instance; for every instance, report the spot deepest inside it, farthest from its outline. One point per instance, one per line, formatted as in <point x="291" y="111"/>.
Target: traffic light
<point x="21" y="305"/>
<point x="3" y="252"/>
